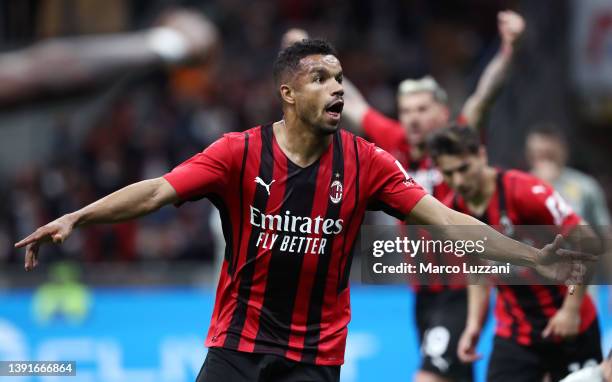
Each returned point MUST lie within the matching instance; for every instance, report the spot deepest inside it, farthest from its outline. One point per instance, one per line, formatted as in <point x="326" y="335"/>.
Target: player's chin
<point x="329" y="126"/>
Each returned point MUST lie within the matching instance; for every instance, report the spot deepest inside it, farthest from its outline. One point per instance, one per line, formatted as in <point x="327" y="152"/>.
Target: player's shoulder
<point x="522" y="183"/>
<point x="238" y="138"/>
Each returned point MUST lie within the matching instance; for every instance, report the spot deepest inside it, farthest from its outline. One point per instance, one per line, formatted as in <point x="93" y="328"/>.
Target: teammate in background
<point x="546" y="151"/>
<point x="540" y="328"/>
<point x="65" y="64"/>
<point x="292" y="195"/>
<point x="422" y="108"/>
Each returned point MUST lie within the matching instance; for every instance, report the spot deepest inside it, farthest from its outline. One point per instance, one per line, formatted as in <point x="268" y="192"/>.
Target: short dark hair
<point x="549" y="130"/>
<point x="289" y="58"/>
<point x="454" y="140"/>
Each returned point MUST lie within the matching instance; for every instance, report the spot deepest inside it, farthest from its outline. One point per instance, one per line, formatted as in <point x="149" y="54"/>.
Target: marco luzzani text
<point x="404" y="246"/>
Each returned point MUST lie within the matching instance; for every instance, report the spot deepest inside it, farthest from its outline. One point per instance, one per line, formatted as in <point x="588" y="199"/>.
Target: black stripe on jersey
<point x="260" y="201"/>
<point x="285" y="267"/>
<point x="313" y="323"/>
<point x="530" y="306"/>
<point x="344" y="273"/>
<point x="226" y="225"/>
<point x="233" y="264"/>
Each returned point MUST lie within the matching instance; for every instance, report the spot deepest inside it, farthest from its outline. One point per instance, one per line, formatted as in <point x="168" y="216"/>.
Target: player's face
<point x="420" y="114"/>
<point x="318" y="92"/>
<point x="463" y="173"/>
<point x="544" y="149"/>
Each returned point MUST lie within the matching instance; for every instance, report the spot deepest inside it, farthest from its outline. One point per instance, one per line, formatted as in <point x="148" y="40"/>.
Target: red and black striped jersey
<point x="289" y="234"/>
<point x="522" y="311"/>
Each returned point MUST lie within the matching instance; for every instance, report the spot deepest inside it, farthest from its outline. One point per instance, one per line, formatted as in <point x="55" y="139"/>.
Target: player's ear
<point x="287" y="94"/>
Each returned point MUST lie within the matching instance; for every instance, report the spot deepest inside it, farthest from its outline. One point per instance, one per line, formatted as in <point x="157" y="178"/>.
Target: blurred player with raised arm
<point x="292" y="196"/>
<point x="540" y="328"/>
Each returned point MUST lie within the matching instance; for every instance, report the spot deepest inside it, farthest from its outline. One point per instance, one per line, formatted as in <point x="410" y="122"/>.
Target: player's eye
<point x="317" y="79"/>
<point x="464" y="168"/>
<point x="339" y="79"/>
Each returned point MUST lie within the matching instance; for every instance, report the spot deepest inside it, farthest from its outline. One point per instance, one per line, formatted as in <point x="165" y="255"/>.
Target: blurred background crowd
<point x="65" y="146"/>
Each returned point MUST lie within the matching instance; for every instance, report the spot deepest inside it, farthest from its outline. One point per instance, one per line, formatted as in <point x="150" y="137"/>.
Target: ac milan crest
<point x="335" y="192"/>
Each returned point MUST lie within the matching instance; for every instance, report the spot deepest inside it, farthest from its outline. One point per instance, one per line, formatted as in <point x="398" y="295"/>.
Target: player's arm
<point x="551" y="261"/>
<point x="511" y="26"/>
<point x="478" y="306"/>
<point x="66" y="63"/>
<point x="129" y="202"/>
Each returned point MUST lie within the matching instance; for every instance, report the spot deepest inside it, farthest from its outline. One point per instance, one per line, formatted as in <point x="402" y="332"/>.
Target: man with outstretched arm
<point x="292" y="196"/>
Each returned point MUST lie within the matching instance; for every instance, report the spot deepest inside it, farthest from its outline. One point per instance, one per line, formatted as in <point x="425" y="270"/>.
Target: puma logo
<point x="258" y="180"/>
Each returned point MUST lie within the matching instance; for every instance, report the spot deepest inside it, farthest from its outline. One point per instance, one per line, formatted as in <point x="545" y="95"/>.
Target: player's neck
<point x="479" y="203"/>
<point x="299" y="142"/>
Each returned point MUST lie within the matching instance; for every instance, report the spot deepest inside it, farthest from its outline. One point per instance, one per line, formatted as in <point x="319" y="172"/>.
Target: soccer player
<point x="540" y="328"/>
<point x="292" y="196"/>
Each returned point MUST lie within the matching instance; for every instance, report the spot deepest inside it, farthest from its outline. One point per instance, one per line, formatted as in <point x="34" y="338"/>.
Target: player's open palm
<point x="563" y="265"/>
<point x="56" y="231"/>
<point x="511" y="26"/>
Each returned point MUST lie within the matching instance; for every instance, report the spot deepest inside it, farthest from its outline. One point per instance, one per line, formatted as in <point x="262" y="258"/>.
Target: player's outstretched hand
<point x="563" y="265"/>
<point x="56" y="231"/>
<point x="466" y="349"/>
<point x="511" y="27"/>
<point x="292" y="36"/>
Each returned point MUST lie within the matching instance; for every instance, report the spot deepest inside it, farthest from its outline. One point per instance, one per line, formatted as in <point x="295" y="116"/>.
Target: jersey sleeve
<point x="538" y="203"/>
<point x="205" y="173"/>
<point x="383" y="131"/>
<point x="391" y="189"/>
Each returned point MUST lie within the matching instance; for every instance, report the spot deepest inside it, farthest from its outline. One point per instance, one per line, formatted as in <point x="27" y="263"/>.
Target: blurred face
<point x="463" y="173"/>
<point x="317" y="94"/>
<point x="542" y="149"/>
<point x="420" y="114"/>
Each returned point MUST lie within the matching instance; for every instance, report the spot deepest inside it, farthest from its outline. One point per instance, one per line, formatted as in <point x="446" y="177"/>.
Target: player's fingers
<point x="41" y="234"/>
<point x="571" y="289"/>
<point x="570" y="254"/>
<point x="58" y="238"/>
<point x="31" y="259"/>
<point x="31" y="238"/>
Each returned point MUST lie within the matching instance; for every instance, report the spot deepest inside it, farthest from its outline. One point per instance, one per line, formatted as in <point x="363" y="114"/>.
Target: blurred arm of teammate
<point x="63" y="64"/>
<point x="355" y="105"/>
<point x="478" y="305"/>
<point x="552" y="261"/>
<point x="135" y="200"/>
<point x="511" y="27"/>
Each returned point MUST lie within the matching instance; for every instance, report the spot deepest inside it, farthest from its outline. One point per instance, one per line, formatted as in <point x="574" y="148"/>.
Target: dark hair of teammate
<point x="288" y="59"/>
<point x="549" y="130"/>
<point x="454" y="140"/>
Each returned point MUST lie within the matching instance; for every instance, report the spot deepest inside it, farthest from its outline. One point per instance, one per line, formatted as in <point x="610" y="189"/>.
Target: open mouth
<point x="334" y="109"/>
